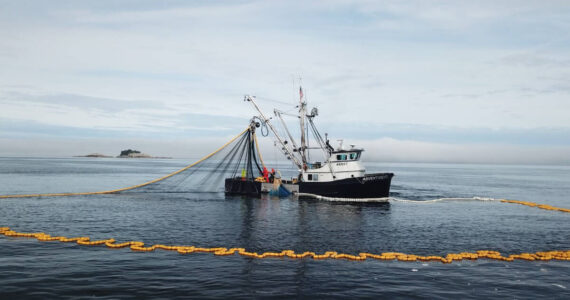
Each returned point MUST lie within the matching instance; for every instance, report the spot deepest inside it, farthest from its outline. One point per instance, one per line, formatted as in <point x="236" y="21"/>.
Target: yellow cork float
<point x="561" y="255"/>
<point x="537" y="205"/>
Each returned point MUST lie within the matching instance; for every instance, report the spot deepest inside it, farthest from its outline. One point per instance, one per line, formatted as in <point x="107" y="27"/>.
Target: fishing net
<point x="238" y="159"/>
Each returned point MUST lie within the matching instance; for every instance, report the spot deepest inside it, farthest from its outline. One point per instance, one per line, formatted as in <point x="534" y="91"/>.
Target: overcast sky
<point x="451" y="81"/>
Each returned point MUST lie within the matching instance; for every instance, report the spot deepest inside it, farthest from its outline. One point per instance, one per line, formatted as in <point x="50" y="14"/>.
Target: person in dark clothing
<point x="329" y="147"/>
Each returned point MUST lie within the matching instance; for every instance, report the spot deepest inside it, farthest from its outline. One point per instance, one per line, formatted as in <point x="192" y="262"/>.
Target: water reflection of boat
<point x="340" y="174"/>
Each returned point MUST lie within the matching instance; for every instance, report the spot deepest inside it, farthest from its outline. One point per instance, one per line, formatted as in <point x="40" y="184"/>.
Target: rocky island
<point x="129" y="153"/>
<point x="94" y="155"/>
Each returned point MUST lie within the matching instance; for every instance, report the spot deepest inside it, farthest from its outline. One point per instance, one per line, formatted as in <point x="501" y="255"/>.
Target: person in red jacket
<point x="265" y="174"/>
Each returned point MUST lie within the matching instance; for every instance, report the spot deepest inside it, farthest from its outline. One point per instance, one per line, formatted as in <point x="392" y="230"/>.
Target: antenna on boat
<point x="302" y="113"/>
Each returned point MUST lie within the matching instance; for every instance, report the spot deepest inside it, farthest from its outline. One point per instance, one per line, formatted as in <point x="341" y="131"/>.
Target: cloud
<point x="393" y="150"/>
<point x="543" y="60"/>
<point x="173" y="68"/>
<point x="453" y="135"/>
<point x="105" y="105"/>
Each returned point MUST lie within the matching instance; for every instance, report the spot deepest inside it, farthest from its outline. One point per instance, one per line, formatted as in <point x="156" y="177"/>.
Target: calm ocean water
<point x="205" y="217"/>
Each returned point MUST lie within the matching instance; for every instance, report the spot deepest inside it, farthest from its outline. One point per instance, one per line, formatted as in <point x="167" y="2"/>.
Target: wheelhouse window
<point x="349" y="156"/>
<point x="312" y="177"/>
<point x="341" y="157"/>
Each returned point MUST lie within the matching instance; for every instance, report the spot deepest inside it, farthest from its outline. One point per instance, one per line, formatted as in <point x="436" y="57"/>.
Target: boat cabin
<point x="341" y="164"/>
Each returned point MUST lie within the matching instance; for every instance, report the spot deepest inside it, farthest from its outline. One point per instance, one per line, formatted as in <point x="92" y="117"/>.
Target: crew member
<point x="265" y="174"/>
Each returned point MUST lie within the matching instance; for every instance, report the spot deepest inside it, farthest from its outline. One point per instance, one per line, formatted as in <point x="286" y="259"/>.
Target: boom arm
<point x="279" y="139"/>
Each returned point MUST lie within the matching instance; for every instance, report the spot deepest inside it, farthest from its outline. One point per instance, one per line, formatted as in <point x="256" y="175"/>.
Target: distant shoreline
<point x="285" y="162"/>
<point x="94" y="155"/>
<point x="98" y="155"/>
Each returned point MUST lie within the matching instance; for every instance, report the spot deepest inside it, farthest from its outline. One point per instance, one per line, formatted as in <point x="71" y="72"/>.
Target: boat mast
<point x="302" y="112"/>
<point x="278" y="113"/>
<point x="279" y="139"/>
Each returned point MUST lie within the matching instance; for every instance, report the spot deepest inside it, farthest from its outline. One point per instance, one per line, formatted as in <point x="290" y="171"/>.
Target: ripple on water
<point x="52" y="270"/>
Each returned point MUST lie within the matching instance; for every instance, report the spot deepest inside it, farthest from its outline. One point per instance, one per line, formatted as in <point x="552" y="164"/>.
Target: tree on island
<point x="129" y="151"/>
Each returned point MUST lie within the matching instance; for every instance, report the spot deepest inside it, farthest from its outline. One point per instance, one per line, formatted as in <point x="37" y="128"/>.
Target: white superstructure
<point x="340" y="165"/>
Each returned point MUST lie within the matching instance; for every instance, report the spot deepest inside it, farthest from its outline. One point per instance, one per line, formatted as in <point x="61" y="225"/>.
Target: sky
<point x="417" y="81"/>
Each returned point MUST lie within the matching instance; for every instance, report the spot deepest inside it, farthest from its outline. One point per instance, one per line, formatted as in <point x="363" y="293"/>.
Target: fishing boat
<point x="340" y="174"/>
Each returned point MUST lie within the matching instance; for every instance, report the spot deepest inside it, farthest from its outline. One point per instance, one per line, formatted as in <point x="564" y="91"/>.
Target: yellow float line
<point x="563" y="255"/>
<point x="257" y="148"/>
<point x="130" y="187"/>
<point x="537" y="205"/>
